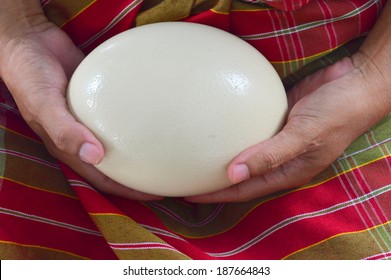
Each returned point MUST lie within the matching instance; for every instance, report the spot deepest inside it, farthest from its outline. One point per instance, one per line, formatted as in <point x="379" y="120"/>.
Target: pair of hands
<point x="326" y="115"/>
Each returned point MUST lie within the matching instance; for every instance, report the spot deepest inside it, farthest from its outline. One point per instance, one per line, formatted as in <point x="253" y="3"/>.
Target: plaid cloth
<point x="49" y="212"/>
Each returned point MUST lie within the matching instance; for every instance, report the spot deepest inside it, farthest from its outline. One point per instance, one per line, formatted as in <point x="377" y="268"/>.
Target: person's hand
<point x="328" y="111"/>
<point x="35" y="63"/>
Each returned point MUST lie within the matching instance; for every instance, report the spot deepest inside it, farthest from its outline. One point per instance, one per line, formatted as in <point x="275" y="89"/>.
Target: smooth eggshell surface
<point x="173" y="103"/>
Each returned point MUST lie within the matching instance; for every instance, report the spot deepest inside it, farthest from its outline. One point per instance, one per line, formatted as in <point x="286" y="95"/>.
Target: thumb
<point x="61" y="131"/>
<point x="267" y="155"/>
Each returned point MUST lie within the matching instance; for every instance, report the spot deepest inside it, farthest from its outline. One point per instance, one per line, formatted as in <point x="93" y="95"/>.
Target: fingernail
<point x="89" y="153"/>
<point x="240" y="173"/>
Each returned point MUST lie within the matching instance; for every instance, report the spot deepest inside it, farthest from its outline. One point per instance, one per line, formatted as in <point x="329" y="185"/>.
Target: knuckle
<point x="263" y="162"/>
<point x="61" y="139"/>
<point x="270" y="161"/>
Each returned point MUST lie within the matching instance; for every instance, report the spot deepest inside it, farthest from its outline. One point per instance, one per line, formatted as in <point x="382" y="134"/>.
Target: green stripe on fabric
<point x="45" y="175"/>
<point x="61" y="11"/>
<point x="356" y="184"/>
<point x="160" y="11"/>
<point x="211" y="219"/>
<point x="381" y="133"/>
<point x="361" y="150"/>
<point x="315" y="63"/>
<point x="123" y="230"/>
<point x="203" y="220"/>
<point x="17" y="142"/>
<point x="14" y="251"/>
<point x="348" y="246"/>
<point x="300" y="217"/>
<point x="364" y="150"/>
<point x="238" y="5"/>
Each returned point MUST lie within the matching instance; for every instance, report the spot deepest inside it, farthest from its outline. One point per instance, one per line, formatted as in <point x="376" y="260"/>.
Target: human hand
<point x="36" y="61"/>
<point x="328" y="111"/>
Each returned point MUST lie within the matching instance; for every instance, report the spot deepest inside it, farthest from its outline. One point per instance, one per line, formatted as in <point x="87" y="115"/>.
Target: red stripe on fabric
<point x="296" y="203"/>
<point x="93" y="201"/>
<point x="31" y="233"/>
<point x="297" y="50"/>
<point x="38" y="218"/>
<point x="356" y="185"/>
<point x="84" y="26"/>
<point x="11" y="123"/>
<point x="287" y="5"/>
<point x="381" y="256"/>
<point x="44" y="204"/>
<point x="267" y="46"/>
<point x="141" y="245"/>
<point x="304" y="233"/>
<point x="96" y="203"/>
<point x="296" y="236"/>
<point x="253" y="22"/>
<point x="306" y="201"/>
<point x="141" y="214"/>
<point x="314" y="39"/>
<point x="328" y="27"/>
<point x="218" y="20"/>
<point x="16" y="124"/>
<point x="188" y="248"/>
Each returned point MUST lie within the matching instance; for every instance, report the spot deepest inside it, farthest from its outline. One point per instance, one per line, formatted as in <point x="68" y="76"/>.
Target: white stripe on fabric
<point x="159" y="231"/>
<point x="48" y="221"/>
<point x="300" y="217"/>
<point x="361" y="213"/>
<point x="309" y="25"/>
<point x="29" y="157"/>
<point x="173" y="215"/>
<point x="116" y="20"/>
<point x="78" y="183"/>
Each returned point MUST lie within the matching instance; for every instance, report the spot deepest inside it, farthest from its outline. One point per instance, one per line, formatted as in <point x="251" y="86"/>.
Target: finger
<point x="66" y="134"/>
<point x="289" y="175"/>
<point x="269" y="154"/>
<point x="319" y="78"/>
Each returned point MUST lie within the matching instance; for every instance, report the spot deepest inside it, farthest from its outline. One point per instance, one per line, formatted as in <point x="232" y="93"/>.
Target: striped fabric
<point x="49" y="212"/>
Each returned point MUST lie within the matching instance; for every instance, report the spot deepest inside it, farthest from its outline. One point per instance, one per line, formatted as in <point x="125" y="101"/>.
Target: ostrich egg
<point x="173" y="103"/>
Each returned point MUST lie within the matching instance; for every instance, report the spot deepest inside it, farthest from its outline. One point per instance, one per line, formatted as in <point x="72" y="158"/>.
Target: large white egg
<point x="173" y="103"/>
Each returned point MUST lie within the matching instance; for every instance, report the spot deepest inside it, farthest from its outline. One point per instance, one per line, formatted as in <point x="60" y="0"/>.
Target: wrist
<point x="373" y="60"/>
<point x="371" y="78"/>
<point x="19" y="18"/>
<point x="16" y="17"/>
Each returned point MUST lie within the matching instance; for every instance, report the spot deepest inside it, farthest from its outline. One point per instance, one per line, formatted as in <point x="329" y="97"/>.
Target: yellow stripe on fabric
<point x="20" y="134"/>
<point x="44" y="248"/>
<point x="344" y="172"/>
<point x="250" y="11"/>
<point x="116" y="229"/>
<point x="114" y="214"/>
<point x="108" y="214"/>
<point x="60" y="12"/>
<point x="167" y="10"/>
<point x="249" y="7"/>
<point x="222" y="7"/>
<point x="270" y="199"/>
<point x="37" y="188"/>
<point x="78" y="13"/>
<point x="311" y="57"/>
<point x="335" y="236"/>
<point x="219" y="13"/>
